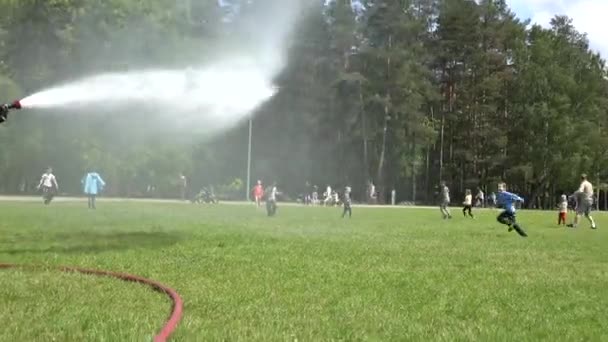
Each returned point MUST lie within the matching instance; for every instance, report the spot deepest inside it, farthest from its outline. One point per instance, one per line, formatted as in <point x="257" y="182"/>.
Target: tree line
<point x="404" y="94"/>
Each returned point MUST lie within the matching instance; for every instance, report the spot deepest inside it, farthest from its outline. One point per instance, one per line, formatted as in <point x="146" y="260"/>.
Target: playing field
<point x="305" y="275"/>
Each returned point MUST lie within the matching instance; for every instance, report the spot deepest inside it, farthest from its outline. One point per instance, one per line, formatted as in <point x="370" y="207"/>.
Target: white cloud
<point x="588" y="16"/>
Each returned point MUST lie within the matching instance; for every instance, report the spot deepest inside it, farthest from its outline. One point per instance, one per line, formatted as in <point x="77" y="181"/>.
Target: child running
<point x="507" y="200"/>
<point x="468" y="204"/>
<point x="563" y="210"/>
<point x="48" y="185"/>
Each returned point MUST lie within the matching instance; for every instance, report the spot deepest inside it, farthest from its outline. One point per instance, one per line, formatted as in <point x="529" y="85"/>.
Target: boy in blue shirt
<point x="507" y="200"/>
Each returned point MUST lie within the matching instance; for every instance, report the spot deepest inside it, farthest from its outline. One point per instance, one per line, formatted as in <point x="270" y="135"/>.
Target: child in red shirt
<point x="258" y="193"/>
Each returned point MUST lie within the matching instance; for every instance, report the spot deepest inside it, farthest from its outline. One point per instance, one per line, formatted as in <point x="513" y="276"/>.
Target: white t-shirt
<point x="563" y="207"/>
<point x="586" y="189"/>
<point x="468" y="200"/>
<point x="273" y="194"/>
<point x="48" y="180"/>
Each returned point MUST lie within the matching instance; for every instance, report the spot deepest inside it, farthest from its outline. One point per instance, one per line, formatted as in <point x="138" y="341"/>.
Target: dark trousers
<point x="92" y="199"/>
<point x="467" y="208"/>
<point x="47" y="194"/>
<point x="347" y="209"/>
<point x="271" y="207"/>
<point x="508" y="218"/>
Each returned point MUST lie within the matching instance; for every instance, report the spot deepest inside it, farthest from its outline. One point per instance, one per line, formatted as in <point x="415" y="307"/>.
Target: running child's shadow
<point x="87" y="242"/>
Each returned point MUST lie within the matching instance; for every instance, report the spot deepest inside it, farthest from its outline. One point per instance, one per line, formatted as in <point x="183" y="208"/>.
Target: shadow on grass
<point x="87" y="242"/>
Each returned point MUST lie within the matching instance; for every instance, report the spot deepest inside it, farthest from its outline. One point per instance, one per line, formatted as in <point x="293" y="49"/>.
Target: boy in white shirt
<point x="444" y="201"/>
<point x="48" y="184"/>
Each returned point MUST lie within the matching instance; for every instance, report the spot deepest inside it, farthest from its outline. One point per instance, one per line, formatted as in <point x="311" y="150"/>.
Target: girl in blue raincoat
<point x="93" y="185"/>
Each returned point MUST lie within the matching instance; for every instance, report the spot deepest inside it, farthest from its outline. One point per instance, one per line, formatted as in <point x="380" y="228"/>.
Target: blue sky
<point x="589" y="16"/>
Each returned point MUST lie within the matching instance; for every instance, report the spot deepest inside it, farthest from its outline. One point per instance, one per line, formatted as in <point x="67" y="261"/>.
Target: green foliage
<point x="402" y="93"/>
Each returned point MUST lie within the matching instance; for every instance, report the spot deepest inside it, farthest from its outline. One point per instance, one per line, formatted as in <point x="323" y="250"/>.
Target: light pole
<point x="249" y="161"/>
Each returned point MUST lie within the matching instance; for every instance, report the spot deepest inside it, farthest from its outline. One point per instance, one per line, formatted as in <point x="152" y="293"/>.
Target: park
<point x="303" y="170"/>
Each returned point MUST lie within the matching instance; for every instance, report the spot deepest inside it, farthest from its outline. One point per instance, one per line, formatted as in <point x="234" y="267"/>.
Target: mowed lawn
<point x="306" y="275"/>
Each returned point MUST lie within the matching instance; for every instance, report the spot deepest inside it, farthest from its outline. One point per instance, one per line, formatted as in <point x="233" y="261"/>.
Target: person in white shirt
<point x="444" y="201"/>
<point x="328" y="196"/>
<point x="481" y="200"/>
<point x="48" y="185"/>
<point x="468" y="204"/>
<point x="315" y="195"/>
<point x="271" y="199"/>
<point x="584" y="202"/>
<point x="563" y="210"/>
<point x="372" y="193"/>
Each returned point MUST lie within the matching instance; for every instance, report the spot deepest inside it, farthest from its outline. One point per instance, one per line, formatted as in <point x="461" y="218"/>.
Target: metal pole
<point x="247" y="195"/>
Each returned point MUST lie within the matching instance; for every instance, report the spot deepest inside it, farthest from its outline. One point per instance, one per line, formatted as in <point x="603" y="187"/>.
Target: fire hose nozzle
<point x="15" y="105"/>
<point x="6" y="108"/>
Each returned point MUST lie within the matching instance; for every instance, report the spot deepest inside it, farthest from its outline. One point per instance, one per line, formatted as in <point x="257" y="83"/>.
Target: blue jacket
<point x="507" y="200"/>
<point x="93" y="184"/>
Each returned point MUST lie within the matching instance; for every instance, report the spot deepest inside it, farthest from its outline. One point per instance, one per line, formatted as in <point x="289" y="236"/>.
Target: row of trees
<point x="402" y="93"/>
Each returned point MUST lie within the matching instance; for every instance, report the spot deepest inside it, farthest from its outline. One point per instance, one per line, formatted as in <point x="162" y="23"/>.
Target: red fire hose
<point x="178" y="304"/>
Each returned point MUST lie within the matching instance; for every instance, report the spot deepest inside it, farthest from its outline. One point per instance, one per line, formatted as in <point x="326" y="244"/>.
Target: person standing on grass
<point x="373" y="198"/>
<point x="584" y="202"/>
<point x="347" y="203"/>
<point x="183" y="180"/>
<point x="444" y="200"/>
<point x="481" y="202"/>
<point x="506" y="201"/>
<point x="271" y="199"/>
<point x="563" y="210"/>
<point x="49" y="186"/>
<point x="327" y="196"/>
<point x="493" y="199"/>
<point x="468" y="204"/>
<point x="258" y="193"/>
<point x="93" y="184"/>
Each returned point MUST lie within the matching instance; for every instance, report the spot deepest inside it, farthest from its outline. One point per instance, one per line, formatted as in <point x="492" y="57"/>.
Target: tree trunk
<point x="536" y="191"/>
<point x="413" y="153"/>
<point x="364" y="133"/>
<point x="441" y="147"/>
<point x="380" y="171"/>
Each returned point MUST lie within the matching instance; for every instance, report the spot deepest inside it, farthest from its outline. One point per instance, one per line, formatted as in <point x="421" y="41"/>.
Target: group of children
<point x="92" y="184"/>
<point x="583" y="199"/>
<point x="504" y="200"/>
<point x="269" y="195"/>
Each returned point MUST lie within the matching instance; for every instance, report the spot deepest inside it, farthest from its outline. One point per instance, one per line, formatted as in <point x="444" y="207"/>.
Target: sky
<point x="589" y="16"/>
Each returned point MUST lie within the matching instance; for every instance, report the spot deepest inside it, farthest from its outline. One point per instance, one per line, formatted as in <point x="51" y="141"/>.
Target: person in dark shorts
<point x="347" y="203"/>
<point x="507" y="200"/>
<point x="468" y="204"/>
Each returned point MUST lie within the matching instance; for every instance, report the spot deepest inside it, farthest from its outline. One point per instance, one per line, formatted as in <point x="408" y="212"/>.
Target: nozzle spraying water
<point x="6" y="108"/>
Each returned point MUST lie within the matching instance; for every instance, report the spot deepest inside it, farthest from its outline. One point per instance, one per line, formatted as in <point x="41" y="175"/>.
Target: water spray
<point x="6" y="108"/>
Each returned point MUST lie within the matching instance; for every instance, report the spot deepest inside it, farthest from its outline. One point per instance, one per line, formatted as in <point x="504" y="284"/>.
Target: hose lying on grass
<point x="178" y="305"/>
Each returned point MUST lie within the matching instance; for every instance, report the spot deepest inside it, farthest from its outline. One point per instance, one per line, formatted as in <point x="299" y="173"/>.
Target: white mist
<point x="225" y="92"/>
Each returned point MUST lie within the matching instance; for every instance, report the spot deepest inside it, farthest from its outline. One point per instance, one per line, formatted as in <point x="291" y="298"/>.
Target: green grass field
<point x="305" y="275"/>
